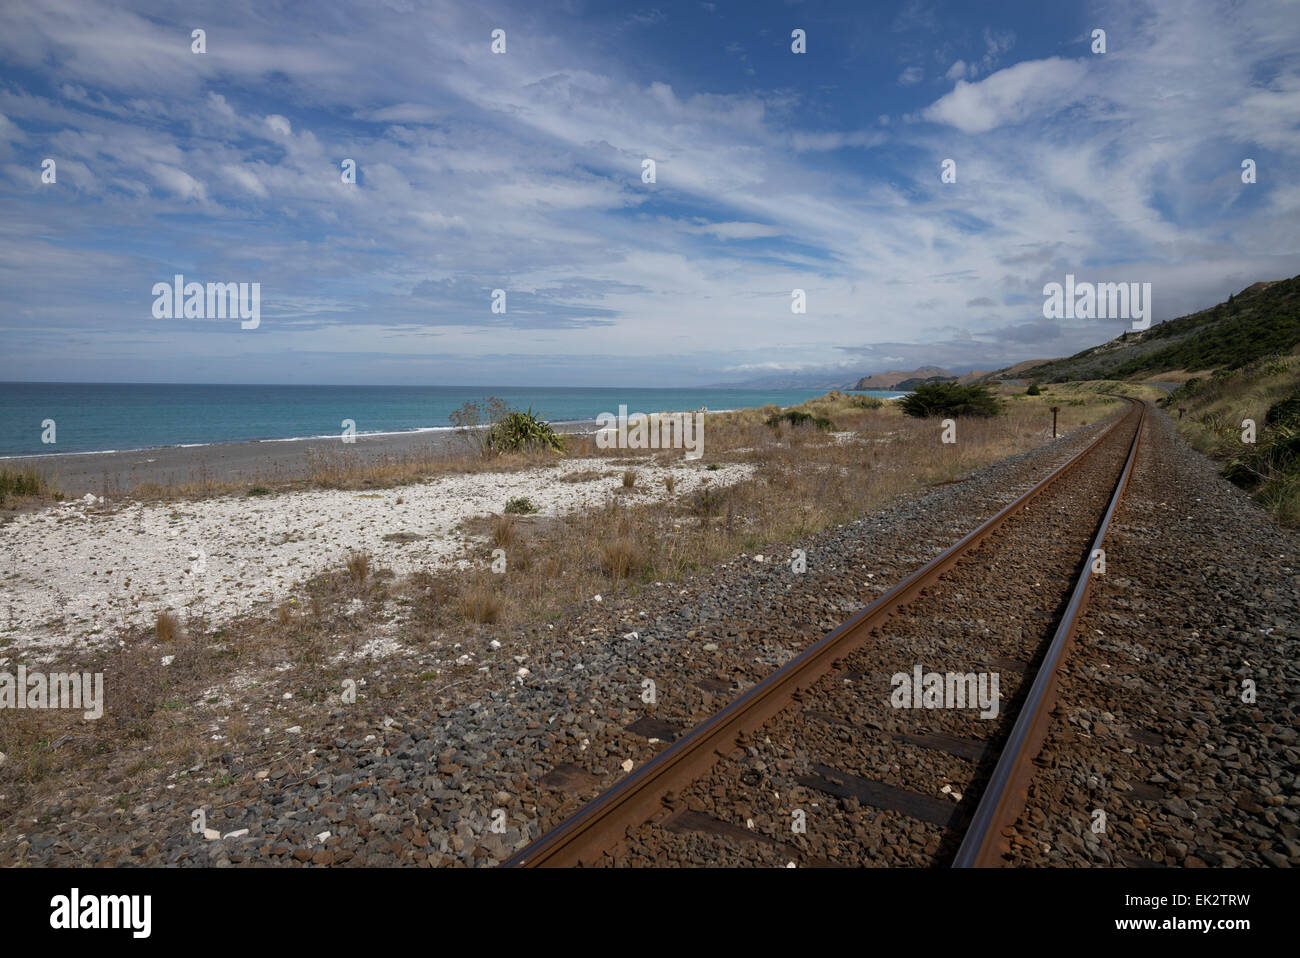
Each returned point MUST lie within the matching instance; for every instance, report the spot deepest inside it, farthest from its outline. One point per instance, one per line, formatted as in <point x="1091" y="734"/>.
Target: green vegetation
<point x="864" y="402"/>
<point x="1211" y="414"/>
<point x="522" y="431"/>
<point x="28" y="481"/>
<point x="797" y="418"/>
<point x="1033" y="390"/>
<point x="492" y="428"/>
<point x="520" y="506"/>
<point x="1260" y="321"/>
<point x="949" y="399"/>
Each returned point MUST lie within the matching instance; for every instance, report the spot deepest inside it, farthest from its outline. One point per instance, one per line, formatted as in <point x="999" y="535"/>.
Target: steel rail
<point x="1003" y="797"/>
<point x="603" y="822"/>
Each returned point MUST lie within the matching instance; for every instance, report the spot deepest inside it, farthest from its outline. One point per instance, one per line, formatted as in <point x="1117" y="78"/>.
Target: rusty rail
<point x="604" y="821"/>
<point x="1003" y="797"/>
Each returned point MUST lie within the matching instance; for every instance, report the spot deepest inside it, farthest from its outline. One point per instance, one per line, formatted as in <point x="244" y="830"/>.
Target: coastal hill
<point x="895" y="379"/>
<point x="1260" y="320"/>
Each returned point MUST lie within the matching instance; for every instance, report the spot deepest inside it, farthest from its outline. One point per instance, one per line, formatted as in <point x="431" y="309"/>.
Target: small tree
<point x="949" y="399"/>
<point x="1033" y="390"/>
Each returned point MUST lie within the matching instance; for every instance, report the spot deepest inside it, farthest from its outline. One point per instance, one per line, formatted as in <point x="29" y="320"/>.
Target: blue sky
<point x="522" y="171"/>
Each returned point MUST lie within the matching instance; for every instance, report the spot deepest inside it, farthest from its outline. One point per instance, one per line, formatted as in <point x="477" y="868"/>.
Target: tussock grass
<point x="358" y="566"/>
<point x="479" y="603"/>
<point x="504" y="533"/>
<point x="166" y="627"/>
<point x="1212" y="419"/>
<point x="805" y="480"/>
<point x="621" y="557"/>
<point x="27" y="483"/>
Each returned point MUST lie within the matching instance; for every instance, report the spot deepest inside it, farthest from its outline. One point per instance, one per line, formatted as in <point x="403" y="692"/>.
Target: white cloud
<point x="1010" y="96"/>
<point x="246" y="179"/>
<point x="730" y="231"/>
<point x="911" y="76"/>
<point x="279" y="124"/>
<point x="179" y="182"/>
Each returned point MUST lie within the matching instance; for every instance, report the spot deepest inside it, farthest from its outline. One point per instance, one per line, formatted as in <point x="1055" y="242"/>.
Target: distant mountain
<point x="894" y="377"/>
<point x="820" y="380"/>
<point x="1260" y="320"/>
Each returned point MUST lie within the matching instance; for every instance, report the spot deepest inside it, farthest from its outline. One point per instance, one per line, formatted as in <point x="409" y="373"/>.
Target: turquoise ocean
<point x="103" y="417"/>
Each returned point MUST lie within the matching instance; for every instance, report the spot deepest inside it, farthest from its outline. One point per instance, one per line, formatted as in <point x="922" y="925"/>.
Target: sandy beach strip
<point x="277" y="460"/>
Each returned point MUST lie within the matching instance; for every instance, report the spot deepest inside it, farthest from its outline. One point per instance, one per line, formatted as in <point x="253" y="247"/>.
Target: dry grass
<point x="479" y="603"/>
<point x="166" y="627"/>
<point x="358" y="566"/>
<point x="159" y="719"/>
<point x="629" y="478"/>
<point x="621" y="558"/>
<point x="504" y="532"/>
<point x="805" y="480"/>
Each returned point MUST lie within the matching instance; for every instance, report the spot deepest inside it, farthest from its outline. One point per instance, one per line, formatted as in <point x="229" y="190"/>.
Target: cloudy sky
<point x="522" y="171"/>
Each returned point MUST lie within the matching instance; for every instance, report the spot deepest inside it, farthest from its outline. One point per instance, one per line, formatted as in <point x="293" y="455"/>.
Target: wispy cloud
<point x="524" y="171"/>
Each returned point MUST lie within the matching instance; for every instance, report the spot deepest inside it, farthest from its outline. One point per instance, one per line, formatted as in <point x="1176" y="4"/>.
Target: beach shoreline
<point x="251" y="462"/>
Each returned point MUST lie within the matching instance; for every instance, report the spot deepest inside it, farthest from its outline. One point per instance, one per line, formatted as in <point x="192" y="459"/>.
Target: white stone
<point x="211" y="834"/>
<point x="240" y="833"/>
<point x="168" y="659"/>
<point x="322" y="837"/>
<point x="627" y="765"/>
<point x="294" y="729"/>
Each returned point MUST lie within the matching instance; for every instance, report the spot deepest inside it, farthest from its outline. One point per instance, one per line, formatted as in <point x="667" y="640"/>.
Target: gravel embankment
<point x="1201" y="594"/>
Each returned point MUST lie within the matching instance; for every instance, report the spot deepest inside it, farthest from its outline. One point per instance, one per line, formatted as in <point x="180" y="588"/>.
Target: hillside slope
<point x="891" y="379"/>
<point x="1261" y="320"/>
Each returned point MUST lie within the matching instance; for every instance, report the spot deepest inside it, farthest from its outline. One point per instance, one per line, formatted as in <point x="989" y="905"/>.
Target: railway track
<point x="833" y="760"/>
